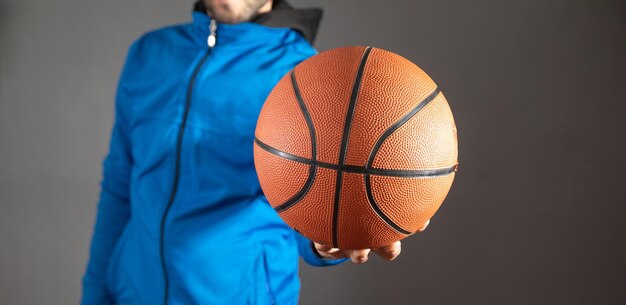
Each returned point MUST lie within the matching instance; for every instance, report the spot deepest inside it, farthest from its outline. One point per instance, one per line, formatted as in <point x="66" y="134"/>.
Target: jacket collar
<point x="283" y="15"/>
<point x="233" y="35"/>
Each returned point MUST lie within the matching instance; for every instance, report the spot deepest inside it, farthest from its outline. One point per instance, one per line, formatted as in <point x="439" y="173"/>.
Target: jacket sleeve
<point x="309" y="254"/>
<point x="113" y="211"/>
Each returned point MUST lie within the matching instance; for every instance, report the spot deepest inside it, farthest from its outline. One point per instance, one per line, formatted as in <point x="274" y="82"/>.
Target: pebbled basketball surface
<point x="356" y="148"/>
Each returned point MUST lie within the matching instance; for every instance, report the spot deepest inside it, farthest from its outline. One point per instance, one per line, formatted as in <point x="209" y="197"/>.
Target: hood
<point x="283" y="15"/>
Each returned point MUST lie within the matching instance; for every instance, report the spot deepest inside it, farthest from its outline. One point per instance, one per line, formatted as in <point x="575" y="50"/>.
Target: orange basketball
<point x="356" y="148"/>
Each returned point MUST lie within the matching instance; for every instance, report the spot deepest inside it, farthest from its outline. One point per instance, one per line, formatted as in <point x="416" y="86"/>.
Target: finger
<point x="337" y="254"/>
<point x="424" y="226"/>
<point x="321" y="247"/>
<point x="389" y="252"/>
<point x="329" y="252"/>
<point x="359" y="256"/>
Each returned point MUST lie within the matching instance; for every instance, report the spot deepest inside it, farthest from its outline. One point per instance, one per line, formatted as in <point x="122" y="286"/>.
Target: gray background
<point x="536" y="215"/>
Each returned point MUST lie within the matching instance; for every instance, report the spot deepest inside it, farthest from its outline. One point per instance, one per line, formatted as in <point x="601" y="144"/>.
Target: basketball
<point x="356" y="148"/>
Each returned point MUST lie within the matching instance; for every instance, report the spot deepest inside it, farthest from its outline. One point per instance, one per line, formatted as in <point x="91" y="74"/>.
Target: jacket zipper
<point x="211" y="40"/>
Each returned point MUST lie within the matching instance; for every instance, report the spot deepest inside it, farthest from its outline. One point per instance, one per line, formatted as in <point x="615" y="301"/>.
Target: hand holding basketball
<point x="388" y="252"/>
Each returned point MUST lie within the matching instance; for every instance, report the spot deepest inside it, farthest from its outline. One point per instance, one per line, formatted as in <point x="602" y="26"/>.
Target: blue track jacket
<point x="181" y="217"/>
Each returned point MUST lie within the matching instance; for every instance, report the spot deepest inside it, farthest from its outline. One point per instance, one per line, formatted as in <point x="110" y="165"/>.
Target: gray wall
<point x="536" y="215"/>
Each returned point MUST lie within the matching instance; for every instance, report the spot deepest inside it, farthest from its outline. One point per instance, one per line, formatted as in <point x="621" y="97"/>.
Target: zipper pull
<point x="213" y="35"/>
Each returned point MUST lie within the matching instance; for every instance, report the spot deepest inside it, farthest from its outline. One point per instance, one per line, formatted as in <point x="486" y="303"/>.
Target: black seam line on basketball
<point x="427" y="173"/>
<point x="398" y="124"/>
<point x="370" y="198"/>
<point x="313" y="168"/>
<point x="176" y="181"/>
<point x="344" y="141"/>
<point x="378" y="144"/>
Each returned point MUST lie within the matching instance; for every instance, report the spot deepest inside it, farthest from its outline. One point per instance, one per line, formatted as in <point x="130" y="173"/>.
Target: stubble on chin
<point x="229" y="11"/>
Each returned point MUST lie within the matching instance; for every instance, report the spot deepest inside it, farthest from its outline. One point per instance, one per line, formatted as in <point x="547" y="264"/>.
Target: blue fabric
<point x="223" y="243"/>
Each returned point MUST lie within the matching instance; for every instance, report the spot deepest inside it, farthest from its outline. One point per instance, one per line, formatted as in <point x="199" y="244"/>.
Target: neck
<point x="266" y="8"/>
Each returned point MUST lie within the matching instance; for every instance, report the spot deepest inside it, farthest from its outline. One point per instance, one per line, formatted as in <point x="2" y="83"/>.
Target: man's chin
<point x="229" y="18"/>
